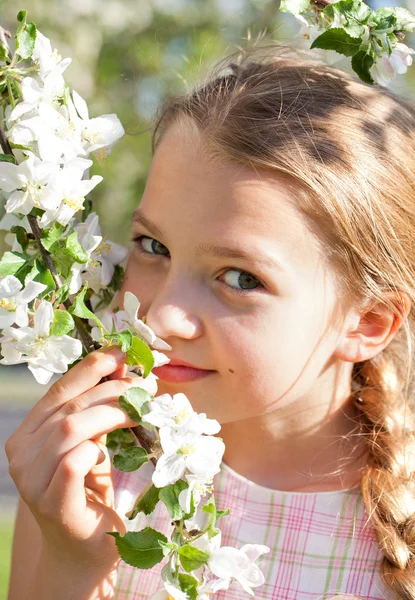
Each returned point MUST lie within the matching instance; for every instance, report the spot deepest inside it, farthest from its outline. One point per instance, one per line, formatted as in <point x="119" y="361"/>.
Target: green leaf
<point x="140" y="549"/>
<point x="120" y="438"/>
<point x="210" y="507"/>
<point x="168" y="548"/>
<point x="146" y="501"/>
<point x="140" y="354"/>
<point x="41" y="274"/>
<point x="169" y="495"/>
<point x="75" y="250"/>
<point x="385" y="19"/>
<point x="12" y="262"/>
<point x="222" y="513"/>
<point x="21" y="236"/>
<point x="354" y="10"/>
<point x="14" y="146"/>
<point x="188" y="585"/>
<point x="135" y="403"/>
<point x="123" y="339"/>
<point x="51" y="236"/>
<point x="191" y="558"/>
<point x="339" y="40"/>
<point x="80" y="310"/>
<point x="4" y="53"/>
<point x="361" y="64"/>
<point x="25" y="36"/>
<point x="130" y="459"/>
<point x="398" y="18"/>
<point x="62" y="294"/>
<point x="7" y="157"/>
<point x="62" y="323"/>
<point x="294" y="6"/>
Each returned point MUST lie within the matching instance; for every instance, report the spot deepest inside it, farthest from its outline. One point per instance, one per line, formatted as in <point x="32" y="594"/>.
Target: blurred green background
<point x="126" y="56"/>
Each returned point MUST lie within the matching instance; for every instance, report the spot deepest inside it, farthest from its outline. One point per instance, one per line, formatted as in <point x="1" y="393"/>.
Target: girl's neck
<point x="304" y="451"/>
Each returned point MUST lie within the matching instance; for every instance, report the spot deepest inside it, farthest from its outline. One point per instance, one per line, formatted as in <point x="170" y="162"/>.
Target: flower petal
<point x="41" y="375"/>
<point x="43" y="318"/>
<point x="170" y="467"/>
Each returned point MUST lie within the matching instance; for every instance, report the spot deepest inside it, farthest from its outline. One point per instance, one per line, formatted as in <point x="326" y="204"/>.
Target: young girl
<point x="273" y="250"/>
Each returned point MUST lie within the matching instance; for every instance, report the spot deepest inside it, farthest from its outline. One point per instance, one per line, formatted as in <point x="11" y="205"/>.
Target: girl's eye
<point x="149" y="245"/>
<point x="241" y="281"/>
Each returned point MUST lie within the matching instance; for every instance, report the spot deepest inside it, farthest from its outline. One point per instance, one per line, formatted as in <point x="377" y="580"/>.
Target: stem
<point x="9" y="89"/>
<point x="87" y="341"/>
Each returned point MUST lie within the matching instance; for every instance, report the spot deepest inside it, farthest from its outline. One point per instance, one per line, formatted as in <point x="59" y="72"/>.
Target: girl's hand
<point x="61" y="467"/>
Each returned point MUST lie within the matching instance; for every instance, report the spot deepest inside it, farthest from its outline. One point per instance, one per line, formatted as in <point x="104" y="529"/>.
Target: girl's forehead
<point x="189" y="190"/>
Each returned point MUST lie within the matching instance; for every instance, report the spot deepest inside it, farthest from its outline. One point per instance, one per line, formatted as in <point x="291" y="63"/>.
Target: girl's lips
<point x="180" y="373"/>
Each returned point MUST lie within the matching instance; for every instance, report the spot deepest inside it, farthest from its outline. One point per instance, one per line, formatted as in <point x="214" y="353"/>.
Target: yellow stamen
<point x="8" y="304"/>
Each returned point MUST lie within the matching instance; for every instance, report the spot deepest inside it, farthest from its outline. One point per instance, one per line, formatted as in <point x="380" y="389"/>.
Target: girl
<point x="273" y="250"/>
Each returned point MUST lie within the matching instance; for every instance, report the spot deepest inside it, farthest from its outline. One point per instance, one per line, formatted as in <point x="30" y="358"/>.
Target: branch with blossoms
<point x="57" y="284"/>
<point x="373" y="39"/>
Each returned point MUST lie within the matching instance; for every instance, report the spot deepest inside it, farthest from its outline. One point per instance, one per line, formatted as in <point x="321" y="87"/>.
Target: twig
<point x="87" y="341"/>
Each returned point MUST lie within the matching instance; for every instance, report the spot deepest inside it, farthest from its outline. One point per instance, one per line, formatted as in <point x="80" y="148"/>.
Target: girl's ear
<point x="366" y="333"/>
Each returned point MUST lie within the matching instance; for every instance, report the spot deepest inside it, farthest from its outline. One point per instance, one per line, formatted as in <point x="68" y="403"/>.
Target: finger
<point x="82" y="377"/>
<point x="23" y="459"/>
<point x="65" y="496"/>
<point x="119" y="373"/>
<point x="99" y="480"/>
<point x="72" y="431"/>
<point x="104" y="393"/>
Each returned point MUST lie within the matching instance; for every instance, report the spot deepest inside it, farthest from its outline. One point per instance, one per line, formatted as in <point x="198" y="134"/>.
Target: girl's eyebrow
<point x="139" y="218"/>
<point x="238" y="253"/>
<point x="210" y="249"/>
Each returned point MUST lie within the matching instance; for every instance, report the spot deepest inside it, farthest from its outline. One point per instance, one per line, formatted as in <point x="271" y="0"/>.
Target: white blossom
<point x="143" y="331"/>
<point x="230" y="564"/>
<point x="100" y="133"/>
<point x="306" y="35"/>
<point x="103" y="256"/>
<point x="47" y="58"/>
<point x="387" y="66"/>
<point x="14" y="301"/>
<point x="167" y="411"/>
<point x="170" y="592"/>
<point x="71" y="190"/>
<point x="198" y="488"/>
<point x="45" y="354"/>
<point x="177" y="412"/>
<point x="51" y="91"/>
<point x="200" y="454"/>
<point x="28" y="184"/>
<point x="51" y="134"/>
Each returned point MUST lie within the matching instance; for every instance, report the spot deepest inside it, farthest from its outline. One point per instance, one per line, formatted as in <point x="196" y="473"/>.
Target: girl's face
<point x="229" y="275"/>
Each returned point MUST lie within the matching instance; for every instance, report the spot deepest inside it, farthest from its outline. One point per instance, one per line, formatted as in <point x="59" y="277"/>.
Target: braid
<point x="388" y="482"/>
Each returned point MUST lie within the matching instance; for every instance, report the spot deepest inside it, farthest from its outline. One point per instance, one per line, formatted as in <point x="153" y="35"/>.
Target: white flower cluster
<point x="191" y="452"/>
<point x="52" y="137"/>
<point x="103" y="255"/>
<point x="387" y="54"/>
<point x="44" y="352"/>
<point x="128" y="319"/>
<point x="226" y="567"/>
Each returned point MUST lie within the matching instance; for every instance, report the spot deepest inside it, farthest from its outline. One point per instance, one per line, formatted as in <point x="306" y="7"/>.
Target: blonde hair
<point x="349" y="151"/>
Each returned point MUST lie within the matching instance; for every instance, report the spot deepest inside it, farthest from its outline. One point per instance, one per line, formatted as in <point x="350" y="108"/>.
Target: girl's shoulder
<point x="321" y="542"/>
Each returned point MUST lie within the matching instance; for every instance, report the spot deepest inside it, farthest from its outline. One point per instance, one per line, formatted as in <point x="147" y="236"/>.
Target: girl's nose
<point x="174" y="310"/>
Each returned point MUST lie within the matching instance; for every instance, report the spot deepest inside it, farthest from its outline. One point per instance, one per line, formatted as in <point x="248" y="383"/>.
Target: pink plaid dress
<point x="321" y="544"/>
